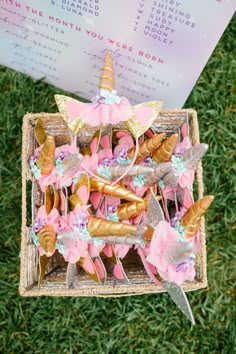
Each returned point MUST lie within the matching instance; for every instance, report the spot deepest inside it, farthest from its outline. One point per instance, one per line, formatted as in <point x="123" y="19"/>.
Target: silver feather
<point x="192" y="156"/>
<point x="179" y="297"/>
<point x="178" y="252"/>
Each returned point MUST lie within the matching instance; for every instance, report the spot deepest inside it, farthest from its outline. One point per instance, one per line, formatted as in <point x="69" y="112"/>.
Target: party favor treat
<point x="112" y="199"/>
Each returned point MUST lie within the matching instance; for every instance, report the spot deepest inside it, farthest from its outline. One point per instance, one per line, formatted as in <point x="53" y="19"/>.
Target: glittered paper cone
<point x="103" y="227"/>
<point x="107" y="81"/>
<point x="147" y="147"/>
<point x="113" y="190"/>
<point x="129" y="210"/>
<point x="192" y="218"/>
<point x="165" y="150"/>
<point x="178" y="252"/>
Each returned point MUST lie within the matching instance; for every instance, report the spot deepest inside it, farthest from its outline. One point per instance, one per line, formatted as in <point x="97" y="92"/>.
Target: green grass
<point x="145" y="324"/>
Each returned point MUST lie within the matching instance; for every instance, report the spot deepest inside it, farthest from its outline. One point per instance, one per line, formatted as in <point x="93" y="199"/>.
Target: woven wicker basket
<point x="55" y="283"/>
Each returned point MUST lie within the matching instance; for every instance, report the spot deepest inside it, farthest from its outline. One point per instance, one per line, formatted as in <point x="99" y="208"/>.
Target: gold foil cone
<point x="113" y="190"/>
<point x="45" y="160"/>
<point x="192" y="218"/>
<point x="107" y="81"/>
<point x="47" y="239"/>
<point x="147" y="147"/>
<point x="164" y="151"/>
<point x="103" y="227"/>
<point x="129" y="210"/>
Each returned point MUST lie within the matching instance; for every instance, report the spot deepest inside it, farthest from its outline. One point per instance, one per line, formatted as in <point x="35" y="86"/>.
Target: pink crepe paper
<point x="164" y="234"/>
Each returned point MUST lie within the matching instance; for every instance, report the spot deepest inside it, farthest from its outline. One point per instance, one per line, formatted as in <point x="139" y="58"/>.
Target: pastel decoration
<point x="163" y="236"/>
<point x="144" y="114"/>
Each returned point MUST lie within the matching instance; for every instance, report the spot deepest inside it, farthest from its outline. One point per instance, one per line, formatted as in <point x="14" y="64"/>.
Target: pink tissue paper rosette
<point x="101" y="113"/>
<point x="164" y="234"/>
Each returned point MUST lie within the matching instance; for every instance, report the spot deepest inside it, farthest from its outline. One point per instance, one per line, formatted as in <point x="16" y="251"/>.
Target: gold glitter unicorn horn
<point x="107" y="81"/>
<point x="192" y="218"/>
<point x="165" y="150"/>
<point x="147" y="147"/>
<point x="104" y="227"/>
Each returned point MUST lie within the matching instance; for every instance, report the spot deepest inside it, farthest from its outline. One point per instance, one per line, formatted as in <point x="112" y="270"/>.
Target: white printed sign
<point x="159" y="47"/>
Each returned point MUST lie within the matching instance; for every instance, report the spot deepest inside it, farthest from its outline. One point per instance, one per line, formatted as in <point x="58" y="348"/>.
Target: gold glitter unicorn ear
<point x="69" y="109"/>
<point x="143" y="117"/>
<point x="107" y="81"/>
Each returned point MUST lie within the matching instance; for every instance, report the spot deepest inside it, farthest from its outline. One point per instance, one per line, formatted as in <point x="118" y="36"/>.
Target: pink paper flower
<point x="164" y="234"/>
<point x="125" y="143"/>
<point x="183" y="146"/>
<point x="68" y="241"/>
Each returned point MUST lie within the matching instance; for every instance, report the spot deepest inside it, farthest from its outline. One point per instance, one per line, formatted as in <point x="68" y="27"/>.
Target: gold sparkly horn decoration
<point x="47" y="239"/>
<point x="113" y="190"/>
<point x="103" y="227"/>
<point x="190" y="221"/>
<point x="107" y="81"/>
<point x="133" y="125"/>
<point x="129" y="210"/>
<point x="147" y="147"/>
<point x="165" y="150"/>
<point x="45" y="160"/>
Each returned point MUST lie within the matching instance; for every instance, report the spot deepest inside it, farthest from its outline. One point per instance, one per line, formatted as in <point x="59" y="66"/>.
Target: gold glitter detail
<point x="61" y="102"/>
<point x="135" y="127"/>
